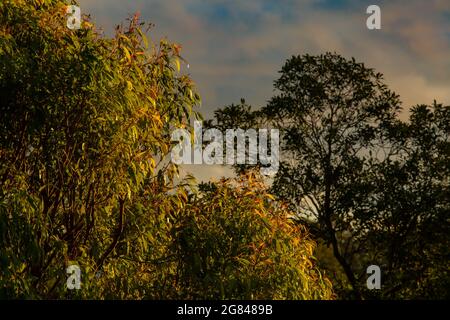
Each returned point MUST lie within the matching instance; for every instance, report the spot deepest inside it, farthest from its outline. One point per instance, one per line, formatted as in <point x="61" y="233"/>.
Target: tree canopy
<point x="372" y="188"/>
<point x="85" y="179"/>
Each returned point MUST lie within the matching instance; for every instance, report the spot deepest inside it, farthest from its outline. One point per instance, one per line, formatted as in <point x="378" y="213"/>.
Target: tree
<point x="373" y="188"/>
<point x="84" y="139"/>
<point x="333" y="114"/>
<point x="84" y="131"/>
<point x="235" y="242"/>
<point x="413" y="206"/>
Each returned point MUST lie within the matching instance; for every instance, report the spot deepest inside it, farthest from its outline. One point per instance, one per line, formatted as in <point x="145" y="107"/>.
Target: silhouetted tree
<point x="370" y="186"/>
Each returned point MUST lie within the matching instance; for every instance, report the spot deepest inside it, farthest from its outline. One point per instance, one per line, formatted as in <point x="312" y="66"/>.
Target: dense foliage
<point x="235" y="241"/>
<point x="84" y="139"/>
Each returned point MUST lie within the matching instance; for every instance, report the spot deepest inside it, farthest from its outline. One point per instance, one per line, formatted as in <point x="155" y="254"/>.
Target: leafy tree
<point x="373" y="189"/>
<point x="84" y="138"/>
<point x="234" y="241"/>
<point x="332" y="113"/>
<point x="413" y="206"/>
<point x="85" y="127"/>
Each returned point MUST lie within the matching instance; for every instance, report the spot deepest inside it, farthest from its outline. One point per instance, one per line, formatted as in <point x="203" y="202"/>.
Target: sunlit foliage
<point x="84" y="138"/>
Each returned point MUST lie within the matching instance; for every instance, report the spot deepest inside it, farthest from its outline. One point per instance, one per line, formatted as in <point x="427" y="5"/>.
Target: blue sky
<point x="235" y="48"/>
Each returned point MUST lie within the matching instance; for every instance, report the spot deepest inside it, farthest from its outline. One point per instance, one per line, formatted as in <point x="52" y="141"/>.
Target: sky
<point x="236" y="48"/>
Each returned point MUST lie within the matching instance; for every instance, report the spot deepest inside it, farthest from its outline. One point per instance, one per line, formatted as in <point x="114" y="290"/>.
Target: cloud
<point x="239" y="45"/>
<point x="235" y="48"/>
